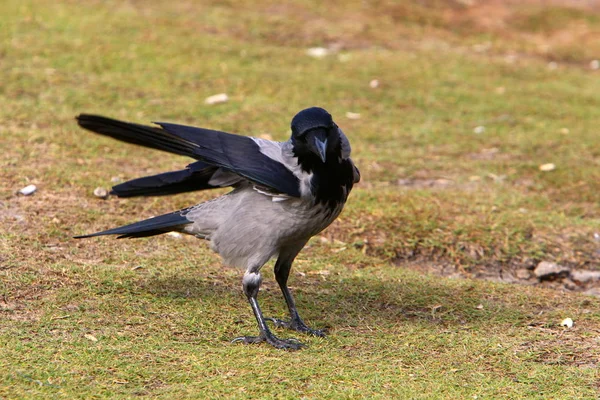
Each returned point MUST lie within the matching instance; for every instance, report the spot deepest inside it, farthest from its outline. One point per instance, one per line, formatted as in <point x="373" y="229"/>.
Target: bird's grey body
<point x="247" y="227"/>
<point x="283" y="194"/>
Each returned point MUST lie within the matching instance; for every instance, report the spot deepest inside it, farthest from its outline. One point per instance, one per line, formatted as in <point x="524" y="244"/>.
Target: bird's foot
<point x="297" y="325"/>
<point x="284" y="344"/>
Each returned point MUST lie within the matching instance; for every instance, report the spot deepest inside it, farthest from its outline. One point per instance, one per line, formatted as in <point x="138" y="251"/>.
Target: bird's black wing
<point x="196" y="176"/>
<point x="147" y="136"/>
<point x="239" y="154"/>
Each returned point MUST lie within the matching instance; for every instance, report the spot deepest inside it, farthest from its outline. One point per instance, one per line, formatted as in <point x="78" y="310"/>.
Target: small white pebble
<point x="568" y="322"/>
<point x="596" y="235"/>
<point x="352" y="115"/>
<point x="28" y="190"/>
<point x="547" y="167"/>
<point x="317" y="52"/>
<point x="101" y="193"/>
<point x="323" y="239"/>
<point x="90" y="337"/>
<point x="175" y="235"/>
<point x="479" y="307"/>
<point x="479" y="129"/>
<point x="374" y="83"/>
<point x="217" y="98"/>
<point x="595" y="64"/>
<point x="482" y="47"/>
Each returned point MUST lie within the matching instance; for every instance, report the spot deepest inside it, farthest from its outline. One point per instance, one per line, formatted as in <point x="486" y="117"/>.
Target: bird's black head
<point x="314" y="135"/>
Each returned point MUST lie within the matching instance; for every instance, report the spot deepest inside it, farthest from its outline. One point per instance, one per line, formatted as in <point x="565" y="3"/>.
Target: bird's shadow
<point x="353" y="301"/>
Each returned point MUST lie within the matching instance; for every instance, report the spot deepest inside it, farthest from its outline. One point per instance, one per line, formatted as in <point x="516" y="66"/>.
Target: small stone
<point x="28" y="190"/>
<point x="568" y="322"/>
<point x="90" y="337"/>
<point x="523" y="273"/>
<point x="318" y="52"/>
<point x="374" y="84"/>
<point x="479" y="307"/>
<point x="585" y="276"/>
<point x="101" y="193"/>
<point x="482" y="47"/>
<point x="175" y="235"/>
<point x="352" y="115"/>
<point x="547" y="270"/>
<point x="479" y="129"/>
<point x="322" y="272"/>
<point x="569" y="284"/>
<point x="595" y="64"/>
<point x="497" y="178"/>
<point x="547" y="167"/>
<point x="595" y="291"/>
<point x="216" y="99"/>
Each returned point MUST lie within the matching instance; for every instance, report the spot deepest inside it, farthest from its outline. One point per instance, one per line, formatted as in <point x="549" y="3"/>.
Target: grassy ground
<point x="105" y="318"/>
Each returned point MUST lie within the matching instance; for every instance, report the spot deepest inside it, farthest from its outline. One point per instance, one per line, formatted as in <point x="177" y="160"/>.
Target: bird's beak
<point x="319" y="145"/>
<point x="321" y="148"/>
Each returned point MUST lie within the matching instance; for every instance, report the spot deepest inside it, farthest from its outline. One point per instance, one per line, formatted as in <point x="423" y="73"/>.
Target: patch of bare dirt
<point x="522" y="273"/>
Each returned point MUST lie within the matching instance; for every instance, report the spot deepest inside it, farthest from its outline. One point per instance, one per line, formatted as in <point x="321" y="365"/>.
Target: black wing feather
<point x="147" y="136"/>
<point x="238" y="154"/>
<point x="195" y="177"/>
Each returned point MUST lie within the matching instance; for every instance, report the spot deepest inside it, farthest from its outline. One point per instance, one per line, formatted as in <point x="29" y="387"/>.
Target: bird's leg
<point x="251" y="283"/>
<point x="282" y="272"/>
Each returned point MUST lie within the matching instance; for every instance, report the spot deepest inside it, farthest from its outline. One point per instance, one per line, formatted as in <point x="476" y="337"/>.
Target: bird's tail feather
<point x="149" y="227"/>
<point x="155" y="138"/>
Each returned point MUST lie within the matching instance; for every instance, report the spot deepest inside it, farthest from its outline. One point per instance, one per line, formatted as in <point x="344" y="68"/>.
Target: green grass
<point x="477" y="202"/>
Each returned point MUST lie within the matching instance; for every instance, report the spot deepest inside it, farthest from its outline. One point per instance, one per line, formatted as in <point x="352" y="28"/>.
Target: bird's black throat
<point x="331" y="181"/>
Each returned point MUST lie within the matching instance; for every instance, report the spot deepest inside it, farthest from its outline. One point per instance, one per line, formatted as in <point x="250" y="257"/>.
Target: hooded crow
<point x="283" y="194"/>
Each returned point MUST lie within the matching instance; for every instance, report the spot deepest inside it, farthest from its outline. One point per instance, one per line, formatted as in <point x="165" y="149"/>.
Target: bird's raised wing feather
<point x="238" y="154"/>
<point x="218" y="152"/>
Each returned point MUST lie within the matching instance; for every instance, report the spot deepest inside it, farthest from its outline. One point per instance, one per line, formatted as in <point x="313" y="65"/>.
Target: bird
<point x="283" y="193"/>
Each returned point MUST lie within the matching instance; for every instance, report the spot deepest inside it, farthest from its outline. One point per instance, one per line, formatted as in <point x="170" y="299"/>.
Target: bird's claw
<point x="298" y="326"/>
<point x="284" y="344"/>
